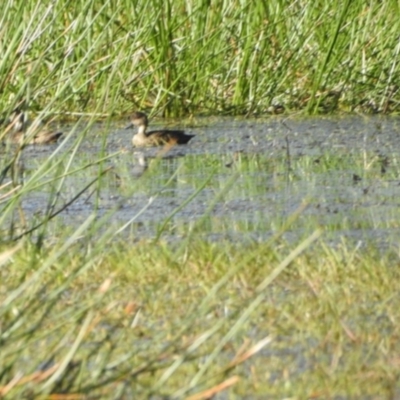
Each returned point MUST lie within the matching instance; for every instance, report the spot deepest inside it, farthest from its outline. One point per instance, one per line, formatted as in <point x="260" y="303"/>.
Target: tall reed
<point x="181" y="57"/>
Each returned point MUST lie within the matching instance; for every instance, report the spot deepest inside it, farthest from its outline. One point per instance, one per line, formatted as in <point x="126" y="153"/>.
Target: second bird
<point x="154" y="138"/>
<point x="17" y="126"/>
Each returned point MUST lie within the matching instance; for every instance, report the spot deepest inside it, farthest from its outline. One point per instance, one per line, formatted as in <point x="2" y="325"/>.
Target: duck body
<point x="41" y="137"/>
<point x="160" y="138"/>
<point x="155" y="138"/>
<point x="17" y="125"/>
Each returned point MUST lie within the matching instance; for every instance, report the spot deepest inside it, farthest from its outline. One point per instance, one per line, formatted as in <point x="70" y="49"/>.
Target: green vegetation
<point x="89" y="309"/>
<point x="141" y="320"/>
<point x="190" y="57"/>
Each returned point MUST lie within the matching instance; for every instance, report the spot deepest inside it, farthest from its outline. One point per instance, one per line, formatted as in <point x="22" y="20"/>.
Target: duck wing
<point x="170" y="137"/>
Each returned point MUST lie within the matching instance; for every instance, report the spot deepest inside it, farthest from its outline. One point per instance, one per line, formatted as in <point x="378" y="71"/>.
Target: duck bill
<point x="129" y="126"/>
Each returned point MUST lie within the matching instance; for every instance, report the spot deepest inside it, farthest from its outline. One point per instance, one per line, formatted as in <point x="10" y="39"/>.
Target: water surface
<point x="255" y="174"/>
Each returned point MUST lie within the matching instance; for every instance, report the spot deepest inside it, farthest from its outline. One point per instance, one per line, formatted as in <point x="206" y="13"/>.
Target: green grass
<point x="91" y="311"/>
<point x="150" y="320"/>
<point x="184" y="57"/>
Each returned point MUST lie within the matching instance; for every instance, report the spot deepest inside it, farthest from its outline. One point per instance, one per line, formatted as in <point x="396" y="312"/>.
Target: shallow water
<point x="346" y="169"/>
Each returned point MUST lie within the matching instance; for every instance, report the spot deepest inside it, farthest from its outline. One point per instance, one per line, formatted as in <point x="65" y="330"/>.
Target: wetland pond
<point x="237" y="180"/>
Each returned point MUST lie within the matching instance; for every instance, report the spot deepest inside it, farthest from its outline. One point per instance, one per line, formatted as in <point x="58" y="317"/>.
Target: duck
<point x="154" y="138"/>
<point x="17" y="124"/>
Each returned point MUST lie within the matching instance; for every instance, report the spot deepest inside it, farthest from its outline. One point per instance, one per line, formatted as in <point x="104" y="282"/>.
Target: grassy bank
<point x="146" y="320"/>
<point x="186" y="57"/>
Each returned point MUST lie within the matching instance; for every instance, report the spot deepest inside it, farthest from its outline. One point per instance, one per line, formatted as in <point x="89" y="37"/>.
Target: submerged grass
<point x="184" y="57"/>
